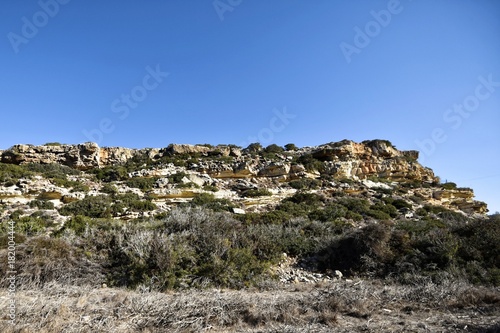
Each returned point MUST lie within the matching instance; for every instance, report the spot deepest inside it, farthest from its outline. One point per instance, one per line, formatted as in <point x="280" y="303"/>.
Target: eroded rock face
<point x="344" y="159"/>
<point x="375" y="158"/>
<point x="232" y="170"/>
<point x="80" y="156"/>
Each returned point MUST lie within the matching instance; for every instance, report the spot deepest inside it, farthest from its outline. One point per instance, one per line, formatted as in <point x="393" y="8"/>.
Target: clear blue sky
<point x="306" y="72"/>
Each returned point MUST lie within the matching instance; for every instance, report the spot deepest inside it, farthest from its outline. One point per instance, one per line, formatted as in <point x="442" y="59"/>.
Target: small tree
<point x="291" y="147"/>
<point x="254" y="147"/>
<point x="274" y="148"/>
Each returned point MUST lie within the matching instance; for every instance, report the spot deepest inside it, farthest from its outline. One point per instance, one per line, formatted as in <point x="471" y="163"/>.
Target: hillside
<point x="254" y="178"/>
<point x="255" y="220"/>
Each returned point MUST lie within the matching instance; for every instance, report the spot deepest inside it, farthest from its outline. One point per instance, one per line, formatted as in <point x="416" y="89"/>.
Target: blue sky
<point x="423" y="74"/>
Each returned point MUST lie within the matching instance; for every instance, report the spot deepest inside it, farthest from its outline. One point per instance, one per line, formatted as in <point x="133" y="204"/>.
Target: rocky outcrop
<point x="370" y="169"/>
<point x="375" y="158"/>
<point x="78" y="156"/>
<point x="340" y="160"/>
<point x="460" y="198"/>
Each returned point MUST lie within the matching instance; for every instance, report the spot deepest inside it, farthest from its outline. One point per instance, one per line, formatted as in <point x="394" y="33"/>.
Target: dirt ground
<point x="335" y="306"/>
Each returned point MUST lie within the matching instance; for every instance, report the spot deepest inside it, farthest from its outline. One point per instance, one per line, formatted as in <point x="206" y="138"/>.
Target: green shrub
<point x="331" y="212"/>
<point x="15" y="215"/>
<point x="80" y="187"/>
<point x="142" y="206"/>
<point x="415" y="228"/>
<point x="91" y="206"/>
<point x="400" y="203"/>
<point x="312" y="199"/>
<point x="356" y="205"/>
<point x="294" y="209"/>
<point x="421" y="212"/>
<point x="354" y="216"/>
<point x="11" y="173"/>
<point x="305" y="184"/>
<point x="210" y="188"/>
<point x="143" y="183"/>
<point x="176" y="178"/>
<point x="41" y="204"/>
<point x="110" y="173"/>
<point x="130" y="201"/>
<point x="52" y="170"/>
<point x="188" y="185"/>
<point x="291" y="147"/>
<point x="384" y="190"/>
<point x="449" y="186"/>
<point x="79" y="224"/>
<point x="109" y="189"/>
<point x="32" y="225"/>
<point x="254" y="147"/>
<point x="209" y="201"/>
<point x="387" y="209"/>
<point x="310" y="163"/>
<point x="351" y="252"/>
<point x="439" y="210"/>
<point x="261" y="192"/>
<point x="274" y="148"/>
<point x="378" y="215"/>
<point x="195" y="246"/>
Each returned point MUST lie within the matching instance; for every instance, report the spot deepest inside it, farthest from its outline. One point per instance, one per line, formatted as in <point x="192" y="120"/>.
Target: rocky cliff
<point x="253" y="178"/>
<point x="341" y="159"/>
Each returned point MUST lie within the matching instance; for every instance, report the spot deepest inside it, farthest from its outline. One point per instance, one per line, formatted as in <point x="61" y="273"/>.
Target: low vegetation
<point x="206" y="261"/>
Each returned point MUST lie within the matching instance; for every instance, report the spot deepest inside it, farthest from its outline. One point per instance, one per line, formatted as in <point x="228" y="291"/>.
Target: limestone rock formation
<point x="229" y="168"/>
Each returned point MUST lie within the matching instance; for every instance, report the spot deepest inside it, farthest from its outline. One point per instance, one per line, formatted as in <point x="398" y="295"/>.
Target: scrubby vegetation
<point x="202" y="244"/>
<point x="136" y="231"/>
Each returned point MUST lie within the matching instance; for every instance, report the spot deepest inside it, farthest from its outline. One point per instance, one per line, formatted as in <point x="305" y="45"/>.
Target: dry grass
<point x="357" y="306"/>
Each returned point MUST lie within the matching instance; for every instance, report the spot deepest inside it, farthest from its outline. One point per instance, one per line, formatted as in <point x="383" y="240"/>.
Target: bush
<point x="41" y="204"/>
<point x="52" y="170"/>
<point x="252" y="193"/>
<point x="52" y="195"/>
<point x="356" y="205"/>
<point x="311" y="199"/>
<point x="31" y="225"/>
<point x="378" y="215"/>
<point x="194" y="246"/>
<point x="310" y="163"/>
<point x="351" y="251"/>
<point x="130" y="201"/>
<point x="109" y="189"/>
<point x="274" y="148"/>
<point x="176" y="178"/>
<point x="254" y="147"/>
<point x="110" y="173"/>
<point x="305" y="184"/>
<point x="388" y="210"/>
<point x="10" y="174"/>
<point x="209" y="201"/>
<point x="331" y="212"/>
<point x="79" y="224"/>
<point x="210" y="188"/>
<point x="142" y="183"/>
<point x="42" y="260"/>
<point x="400" y="203"/>
<point x="449" y="186"/>
<point x="91" y="206"/>
<point x="291" y="147"/>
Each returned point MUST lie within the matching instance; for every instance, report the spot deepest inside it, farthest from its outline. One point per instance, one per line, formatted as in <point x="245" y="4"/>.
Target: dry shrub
<point x="340" y="306"/>
<point x="42" y="259"/>
<point x="476" y="296"/>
